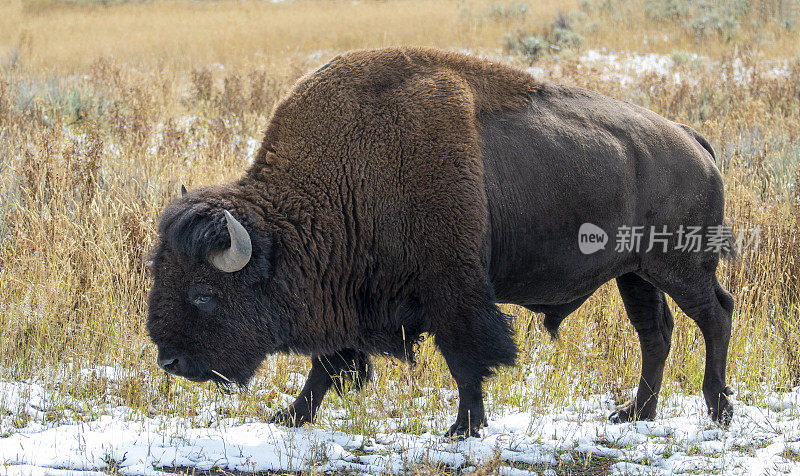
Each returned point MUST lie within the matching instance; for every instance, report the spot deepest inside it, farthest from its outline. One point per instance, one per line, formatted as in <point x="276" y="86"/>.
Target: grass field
<point x="107" y="107"/>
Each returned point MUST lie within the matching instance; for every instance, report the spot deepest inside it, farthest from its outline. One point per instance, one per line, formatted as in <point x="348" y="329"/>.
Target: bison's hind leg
<point x="551" y="323"/>
<point x="647" y="310"/>
<point x="704" y="300"/>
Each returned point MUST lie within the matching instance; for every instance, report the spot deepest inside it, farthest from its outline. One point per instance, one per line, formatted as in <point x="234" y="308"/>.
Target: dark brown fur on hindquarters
<point x="408" y="190"/>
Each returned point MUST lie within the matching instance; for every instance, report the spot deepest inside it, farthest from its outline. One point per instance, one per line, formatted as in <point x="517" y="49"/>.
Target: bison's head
<point x="209" y="311"/>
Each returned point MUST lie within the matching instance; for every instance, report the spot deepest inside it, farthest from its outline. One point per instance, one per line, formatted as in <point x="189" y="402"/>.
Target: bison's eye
<point x="204" y="302"/>
<point x="202" y="297"/>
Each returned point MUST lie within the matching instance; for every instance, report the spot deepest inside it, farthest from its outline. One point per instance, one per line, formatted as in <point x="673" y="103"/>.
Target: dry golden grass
<point x="69" y="35"/>
<point x="234" y="32"/>
<point x="105" y="110"/>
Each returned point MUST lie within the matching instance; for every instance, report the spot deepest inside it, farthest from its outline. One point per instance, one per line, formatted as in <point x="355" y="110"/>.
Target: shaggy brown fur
<point x="405" y="163"/>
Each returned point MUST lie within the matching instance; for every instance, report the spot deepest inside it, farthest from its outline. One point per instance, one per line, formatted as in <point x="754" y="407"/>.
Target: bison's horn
<point x="183" y="190"/>
<point x="238" y="255"/>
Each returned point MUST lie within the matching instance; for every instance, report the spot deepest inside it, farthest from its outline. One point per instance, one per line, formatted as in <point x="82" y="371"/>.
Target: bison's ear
<point x="206" y="233"/>
<point x="195" y="230"/>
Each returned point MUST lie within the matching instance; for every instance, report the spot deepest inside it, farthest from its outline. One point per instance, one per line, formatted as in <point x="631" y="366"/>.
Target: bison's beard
<point x="227" y="382"/>
<point x="235" y="373"/>
<point x="227" y="385"/>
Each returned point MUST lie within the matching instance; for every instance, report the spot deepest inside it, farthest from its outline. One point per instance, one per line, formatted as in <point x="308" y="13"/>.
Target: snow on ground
<point x="682" y="440"/>
<point x="628" y="67"/>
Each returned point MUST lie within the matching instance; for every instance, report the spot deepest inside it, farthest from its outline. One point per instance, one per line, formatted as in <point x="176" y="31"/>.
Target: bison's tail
<point x="702" y="141"/>
<point x="729" y="251"/>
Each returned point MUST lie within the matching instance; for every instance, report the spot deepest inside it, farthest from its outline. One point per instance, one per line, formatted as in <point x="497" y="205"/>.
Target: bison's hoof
<point x="723" y="415"/>
<point x="719" y="407"/>
<point x="291" y="418"/>
<point x="460" y="431"/>
<point x="619" y="416"/>
<point x="629" y="412"/>
<point x="728" y="391"/>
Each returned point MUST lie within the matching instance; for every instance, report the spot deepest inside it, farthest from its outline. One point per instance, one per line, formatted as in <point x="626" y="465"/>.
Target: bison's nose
<point x="183" y="365"/>
<point x="168" y="364"/>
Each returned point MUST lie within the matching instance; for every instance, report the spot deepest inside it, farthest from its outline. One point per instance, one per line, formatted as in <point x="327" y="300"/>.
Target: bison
<point x="404" y="191"/>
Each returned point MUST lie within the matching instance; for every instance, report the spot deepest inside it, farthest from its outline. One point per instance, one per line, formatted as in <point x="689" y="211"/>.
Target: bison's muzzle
<point x="184" y="366"/>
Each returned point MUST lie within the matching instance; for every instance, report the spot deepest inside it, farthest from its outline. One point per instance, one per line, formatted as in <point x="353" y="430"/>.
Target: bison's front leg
<point x="471" y="415"/>
<point x="471" y="349"/>
<point x="326" y="371"/>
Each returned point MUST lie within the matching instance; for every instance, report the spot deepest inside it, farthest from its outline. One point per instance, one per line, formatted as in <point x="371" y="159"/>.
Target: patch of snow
<point x="295" y="381"/>
<point x="252" y="148"/>
<point x="682" y="439"/>
<point x="18" y="397"/>
<point x="625" y="67"/>
<point x="101" y="372"/>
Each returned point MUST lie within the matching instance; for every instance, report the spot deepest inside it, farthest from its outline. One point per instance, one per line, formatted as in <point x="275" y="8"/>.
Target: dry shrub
<point x="260" y="88"/>
<point x="793" y="275"/>
<point x="489" y="467"/>
<point x="5" y="102"/>
<point x="132" y="115"/>
<point x="174" y="139"/>
<point x="104" y="74"/>
<point x="91" y="165"/>
<point x="35" y="177"/>
<point x="231" y="102"/>
<point x="203" y="82"/>
<point x="134" y="237"/>
<point x="140" y="105"/>
<point x="788" y="325"/>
